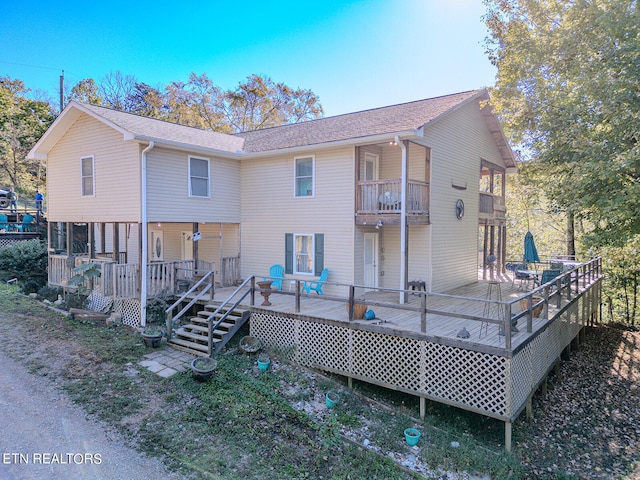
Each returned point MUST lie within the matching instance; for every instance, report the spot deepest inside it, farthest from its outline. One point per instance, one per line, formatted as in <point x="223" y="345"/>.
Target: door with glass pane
<point x="371" y="260"/>
<point x="370" y="173"/>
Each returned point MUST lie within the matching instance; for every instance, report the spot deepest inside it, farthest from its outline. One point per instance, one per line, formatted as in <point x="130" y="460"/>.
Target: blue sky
<point x="353" y="54"/>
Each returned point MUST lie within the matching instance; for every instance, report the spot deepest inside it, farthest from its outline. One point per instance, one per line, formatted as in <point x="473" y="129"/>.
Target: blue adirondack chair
<point x="3" y="222"/>
<point x="276" y="275"/>
<point x="316" y="285"/>
<point x="25" y="226"/>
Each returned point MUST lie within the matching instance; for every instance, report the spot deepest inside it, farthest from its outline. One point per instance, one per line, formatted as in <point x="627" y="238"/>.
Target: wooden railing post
<point x="297" y="296"/>
<point x="352" y="290"/>
<point x="253" y="291"/>
<point x="423" y="312"/>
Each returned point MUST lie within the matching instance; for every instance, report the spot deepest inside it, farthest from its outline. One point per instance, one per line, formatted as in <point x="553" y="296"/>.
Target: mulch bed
<point x="588" y="424"/>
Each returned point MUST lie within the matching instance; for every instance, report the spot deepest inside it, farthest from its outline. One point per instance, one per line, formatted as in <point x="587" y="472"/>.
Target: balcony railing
<point x="491" y="204"/>
<point x="375" y="197"/>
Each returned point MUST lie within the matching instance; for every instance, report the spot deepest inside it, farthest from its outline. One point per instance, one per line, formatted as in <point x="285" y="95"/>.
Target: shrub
<point x="25" y="261"/>
<point x="30" y="286"/>
<point x="49" y="293"/>
<point x="76" y="300"/>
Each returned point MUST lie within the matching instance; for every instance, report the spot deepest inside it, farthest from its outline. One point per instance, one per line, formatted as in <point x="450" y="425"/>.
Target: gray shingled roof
<point x="395" y="118"/>
<point x="152" y="129"/>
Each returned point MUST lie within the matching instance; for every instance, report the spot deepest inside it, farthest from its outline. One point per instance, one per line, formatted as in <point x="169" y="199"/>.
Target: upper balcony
<point x="381" y="200"/>
<point x="491" y="208"/>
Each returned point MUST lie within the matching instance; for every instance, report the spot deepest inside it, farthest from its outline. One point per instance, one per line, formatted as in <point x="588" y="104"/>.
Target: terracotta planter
<point x="524" y="304"/>
<point x="358" y="310"/>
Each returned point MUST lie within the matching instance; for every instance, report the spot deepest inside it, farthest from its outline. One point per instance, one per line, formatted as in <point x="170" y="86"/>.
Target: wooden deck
<point x="452" y="307"/>
<point x="415" y="346"/>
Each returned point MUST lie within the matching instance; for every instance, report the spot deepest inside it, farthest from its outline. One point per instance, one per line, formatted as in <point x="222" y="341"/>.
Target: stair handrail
<point x="168" y="312"/>
<point x="209" y="319"/>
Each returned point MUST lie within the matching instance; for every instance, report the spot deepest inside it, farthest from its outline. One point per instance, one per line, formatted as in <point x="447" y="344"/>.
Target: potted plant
<point x="250" y="344"/>
<point x="331" y="399"/>
<point x="411" y="435"/>
<point x="203" y="368"/>
<point x="156" y="316"/>
<point x="263" y="362"/>
<point x="359" y="308"/>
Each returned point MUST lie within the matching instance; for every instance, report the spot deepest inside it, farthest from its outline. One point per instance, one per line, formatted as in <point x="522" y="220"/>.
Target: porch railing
<point x="384" y="196"/>
<point x="122" y="280"/>
<point x="553" y="296"/>
<point x="491" y="204"/>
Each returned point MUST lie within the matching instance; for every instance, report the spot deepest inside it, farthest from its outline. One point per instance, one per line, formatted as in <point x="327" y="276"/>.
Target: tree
<point x="116" y="90"/>
<point x="86" y="91"/>
<point x="567" y="88"/>
<point x="259" y="102"/>
<point x="146" y="100"/>
<point x="22" y="123"/>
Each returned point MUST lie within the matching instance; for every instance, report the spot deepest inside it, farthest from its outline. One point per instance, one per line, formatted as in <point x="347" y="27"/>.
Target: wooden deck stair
<point x="194" y="336"/>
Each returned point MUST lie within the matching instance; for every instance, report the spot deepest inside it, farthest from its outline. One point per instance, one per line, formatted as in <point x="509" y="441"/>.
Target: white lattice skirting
<point x="494" y="385"/>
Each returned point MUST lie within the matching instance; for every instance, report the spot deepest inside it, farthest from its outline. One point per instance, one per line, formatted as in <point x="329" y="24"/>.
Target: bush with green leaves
<point x="25" y="260"/>
<point x="49" y="293"/>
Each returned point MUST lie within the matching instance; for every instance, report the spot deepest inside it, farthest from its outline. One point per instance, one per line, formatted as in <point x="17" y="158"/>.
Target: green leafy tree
<point x="22" y="123"/>
<point x="260" y="102"/>
<point x="86" y="91"/>
<point x="567" y="88"/>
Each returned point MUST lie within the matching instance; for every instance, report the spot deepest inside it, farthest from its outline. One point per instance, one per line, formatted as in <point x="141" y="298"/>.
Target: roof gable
<point x="136" y="127"/>
<point x="406" y="118"/>
<point x="385" y="120"/>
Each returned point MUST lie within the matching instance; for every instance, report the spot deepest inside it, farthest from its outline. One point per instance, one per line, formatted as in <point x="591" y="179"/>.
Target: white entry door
<point x="187" y="246"/>
<point x="156" y="248"/>
<point x="371" y="260"/>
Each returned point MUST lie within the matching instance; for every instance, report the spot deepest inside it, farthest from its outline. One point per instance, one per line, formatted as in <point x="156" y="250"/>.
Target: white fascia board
<point x="160" y="142"/>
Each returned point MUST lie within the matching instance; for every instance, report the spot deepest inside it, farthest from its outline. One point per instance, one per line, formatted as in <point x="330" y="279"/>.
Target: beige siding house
<point x="381" y="198"/>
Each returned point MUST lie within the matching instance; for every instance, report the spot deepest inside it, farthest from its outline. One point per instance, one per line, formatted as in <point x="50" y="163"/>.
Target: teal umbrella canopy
<point x="530" y="251"/>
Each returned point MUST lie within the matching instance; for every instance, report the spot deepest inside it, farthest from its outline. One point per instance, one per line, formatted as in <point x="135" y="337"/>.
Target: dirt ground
<point x="45" y="436"/>
<point x="588" y="423"/>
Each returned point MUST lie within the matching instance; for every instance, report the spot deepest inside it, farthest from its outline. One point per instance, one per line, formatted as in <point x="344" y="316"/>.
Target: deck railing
<point x="550" y="296"/>
<point x="384" y="196"/>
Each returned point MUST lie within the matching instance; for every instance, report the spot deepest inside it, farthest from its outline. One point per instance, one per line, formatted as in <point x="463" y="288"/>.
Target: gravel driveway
<point x="44" y="436"/>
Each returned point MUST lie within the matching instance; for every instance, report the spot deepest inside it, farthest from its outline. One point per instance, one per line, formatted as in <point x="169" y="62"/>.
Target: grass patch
<point x="243" y="423"/>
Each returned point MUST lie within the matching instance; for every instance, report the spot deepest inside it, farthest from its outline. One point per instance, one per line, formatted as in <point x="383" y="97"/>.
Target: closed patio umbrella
<point x="530" y="251"/>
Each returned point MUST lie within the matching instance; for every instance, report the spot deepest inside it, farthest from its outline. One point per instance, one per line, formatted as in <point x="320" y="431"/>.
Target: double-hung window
<point x="87" y="176"/>
<point x="303" y="176"/>
<point x="199" y="177"/>
<point x="304" y="253"/>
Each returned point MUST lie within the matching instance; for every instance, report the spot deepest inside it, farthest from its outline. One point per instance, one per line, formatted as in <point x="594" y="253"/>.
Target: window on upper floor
<point x="199" y="177"/>
<point x="87" y="176"/>
<point x="303" y="176"/>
